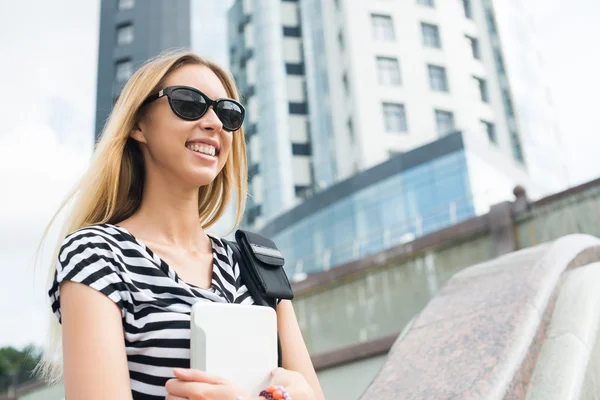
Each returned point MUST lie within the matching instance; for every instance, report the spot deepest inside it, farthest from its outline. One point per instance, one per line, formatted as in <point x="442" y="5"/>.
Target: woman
<point x="136" y="255"/>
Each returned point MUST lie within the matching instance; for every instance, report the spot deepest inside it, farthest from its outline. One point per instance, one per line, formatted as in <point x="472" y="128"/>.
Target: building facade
<point x="409" y="195"/>
<point x="267" y="61"/>
<point x="401" y="74"/>
<point x="338" y="87"/>
<point x="131" y="32"/>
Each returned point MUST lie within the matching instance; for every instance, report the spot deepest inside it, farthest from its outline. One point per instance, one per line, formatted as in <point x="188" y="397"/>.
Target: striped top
<point x="155" y="302"/>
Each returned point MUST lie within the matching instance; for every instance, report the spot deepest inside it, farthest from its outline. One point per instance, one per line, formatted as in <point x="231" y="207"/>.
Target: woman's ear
<point x="137" y="133"/>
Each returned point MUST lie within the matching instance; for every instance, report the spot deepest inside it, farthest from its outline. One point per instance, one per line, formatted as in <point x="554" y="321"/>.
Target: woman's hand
<point x="294" y="383"/>
<point x="193" y="384"/>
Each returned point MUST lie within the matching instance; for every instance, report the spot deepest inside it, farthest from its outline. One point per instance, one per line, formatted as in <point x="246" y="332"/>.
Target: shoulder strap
<point x="252" y="289"/>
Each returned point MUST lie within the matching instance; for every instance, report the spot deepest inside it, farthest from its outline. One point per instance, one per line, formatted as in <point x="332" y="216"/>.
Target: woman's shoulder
<point x="92" y="239"/>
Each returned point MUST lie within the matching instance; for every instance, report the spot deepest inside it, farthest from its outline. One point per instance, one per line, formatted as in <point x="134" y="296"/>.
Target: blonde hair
<point x="111" y="189"/>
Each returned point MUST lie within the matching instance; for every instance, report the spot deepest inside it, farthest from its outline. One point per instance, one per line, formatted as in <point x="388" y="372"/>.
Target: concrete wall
<point x="355" y="311"/>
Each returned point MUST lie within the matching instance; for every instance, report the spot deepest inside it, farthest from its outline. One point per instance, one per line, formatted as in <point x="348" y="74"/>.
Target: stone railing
<point x="522" y="326"/>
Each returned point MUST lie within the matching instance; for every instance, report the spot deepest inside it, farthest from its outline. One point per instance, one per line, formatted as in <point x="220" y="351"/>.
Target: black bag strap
<point x="253" y="290"/>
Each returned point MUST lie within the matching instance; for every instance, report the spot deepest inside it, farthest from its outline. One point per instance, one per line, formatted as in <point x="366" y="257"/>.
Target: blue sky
<point x="48" y="70"/>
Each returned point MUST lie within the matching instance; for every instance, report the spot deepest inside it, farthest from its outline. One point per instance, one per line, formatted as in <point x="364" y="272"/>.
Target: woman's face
<point x="167" y="141"/>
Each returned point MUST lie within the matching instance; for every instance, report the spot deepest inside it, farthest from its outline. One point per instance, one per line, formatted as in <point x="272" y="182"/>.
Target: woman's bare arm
<point x="295" y="353"/>
<point x="95" y="362"/>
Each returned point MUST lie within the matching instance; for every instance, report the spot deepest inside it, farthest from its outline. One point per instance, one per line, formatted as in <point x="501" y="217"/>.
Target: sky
<point x="48" y="66"/>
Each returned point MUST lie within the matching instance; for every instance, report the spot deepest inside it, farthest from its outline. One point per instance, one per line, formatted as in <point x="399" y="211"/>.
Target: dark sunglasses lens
<point x="188" y="104"/>
<point x="231" y="115"/>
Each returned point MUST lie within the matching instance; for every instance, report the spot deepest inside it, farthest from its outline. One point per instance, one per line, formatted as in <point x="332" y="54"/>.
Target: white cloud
<point x="36" y="179"/>
<point x="49" y="54"/>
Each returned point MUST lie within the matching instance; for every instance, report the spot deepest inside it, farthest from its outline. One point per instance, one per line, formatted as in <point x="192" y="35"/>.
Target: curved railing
<point x="522" y="326"/>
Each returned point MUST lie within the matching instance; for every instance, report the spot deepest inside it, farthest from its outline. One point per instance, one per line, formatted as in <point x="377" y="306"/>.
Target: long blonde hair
<point x="111" y="189"/>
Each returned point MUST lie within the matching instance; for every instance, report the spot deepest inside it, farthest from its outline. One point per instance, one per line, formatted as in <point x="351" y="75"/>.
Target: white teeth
<point x="203" y="148"/>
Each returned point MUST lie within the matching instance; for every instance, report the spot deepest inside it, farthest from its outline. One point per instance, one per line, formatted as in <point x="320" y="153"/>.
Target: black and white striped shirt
<point x="155" y="302"/>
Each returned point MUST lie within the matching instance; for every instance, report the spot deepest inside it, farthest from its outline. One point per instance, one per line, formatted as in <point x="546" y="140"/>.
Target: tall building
<point x="267" y="60"/>
<point x="132" y="32"/>
<point x="516" y="28"/>
<point x="338" y="87"/>
<point x="406" y="73"/>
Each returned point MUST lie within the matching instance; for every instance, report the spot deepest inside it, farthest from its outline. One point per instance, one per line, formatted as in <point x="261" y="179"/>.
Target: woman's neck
<point x="169" y="216"/>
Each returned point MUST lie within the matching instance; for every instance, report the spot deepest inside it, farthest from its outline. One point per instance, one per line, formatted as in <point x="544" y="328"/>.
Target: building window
<point x="490" y="130"/>
<point x="302" y="191"/>
<point x="125" y="34"/>
<point x="517" y="151"/>
<point x="123" y="70"/>
<point x="292" y="31"/>
<point x="253" y="170"/>
<point x="474" y="43"/>
<point x="341" y="40"/>
<point x="294" y="68"/>
<point x="346" y="83"/>
<point x="445" y="122"/>
<point x="431" y="35"/>
<point x="468" y="9"/>
<point x="437" y="78"/>
<point x="298" y="108"/>
<point x="395" y="117"/>
<point x="126" y="4"/>
<point x="428" y="3"/>
<point x="483" y="89"/>
<point x="253" y="213"/>
<point x="301" y="149"/>
<point x="388" y="71"/>
<point x="383" y="28"/>
<point x="350" y="124"/>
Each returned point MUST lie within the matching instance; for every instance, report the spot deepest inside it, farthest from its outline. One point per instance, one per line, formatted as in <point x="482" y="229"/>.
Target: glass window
<point x="445" y="122"/>
<point x="383" y="28"/>
<point x="125" y="34"/>
<point x="341" y="40"/>
<point x="428" y="3"/>
<point x="346" y="83"/>
<point x="395" y="117"/>
<point x="388" y="71"/>
<point x="468" y="9"/>
<point x="490" y="130"/>
<point x="431" y="35"/>
<point x="474" y="44"/>
<point x="123" y="70"/>
<point x="126" y="4"/>
<point x="483" y="89"/>
<point x="516" y="146"/>
<point x="437" y="78"/>
<point x="351" y="130"/>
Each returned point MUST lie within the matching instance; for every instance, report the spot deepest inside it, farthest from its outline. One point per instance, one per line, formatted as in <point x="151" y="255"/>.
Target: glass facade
<point x="317" y="86"/>
<point x="397" y="209"/>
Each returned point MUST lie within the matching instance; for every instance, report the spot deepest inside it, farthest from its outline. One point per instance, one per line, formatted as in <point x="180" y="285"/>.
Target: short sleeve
<point x="86" y="257"/>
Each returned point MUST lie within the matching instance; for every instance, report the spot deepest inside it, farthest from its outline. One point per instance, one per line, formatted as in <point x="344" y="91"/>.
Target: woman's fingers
<point x="195" y="375"/>
<point x="173" y="397"/>
<point x="185" y="389"/>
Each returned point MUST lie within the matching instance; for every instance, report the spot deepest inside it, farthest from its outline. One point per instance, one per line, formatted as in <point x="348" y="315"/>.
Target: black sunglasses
<point x="191" y="104"/>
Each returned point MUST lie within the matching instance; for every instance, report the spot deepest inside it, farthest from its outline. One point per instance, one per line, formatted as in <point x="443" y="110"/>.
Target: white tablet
<point x="234" y="341"/>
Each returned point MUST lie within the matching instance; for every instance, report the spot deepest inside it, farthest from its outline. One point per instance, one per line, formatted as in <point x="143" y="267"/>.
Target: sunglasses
<point x="191" y="104"/>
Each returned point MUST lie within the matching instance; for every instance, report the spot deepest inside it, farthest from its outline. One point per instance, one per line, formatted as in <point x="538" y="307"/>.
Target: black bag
<point x="261" y="270"/>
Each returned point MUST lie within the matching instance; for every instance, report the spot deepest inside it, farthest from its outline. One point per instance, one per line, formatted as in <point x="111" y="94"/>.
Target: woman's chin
<point x="202" y="178"/>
